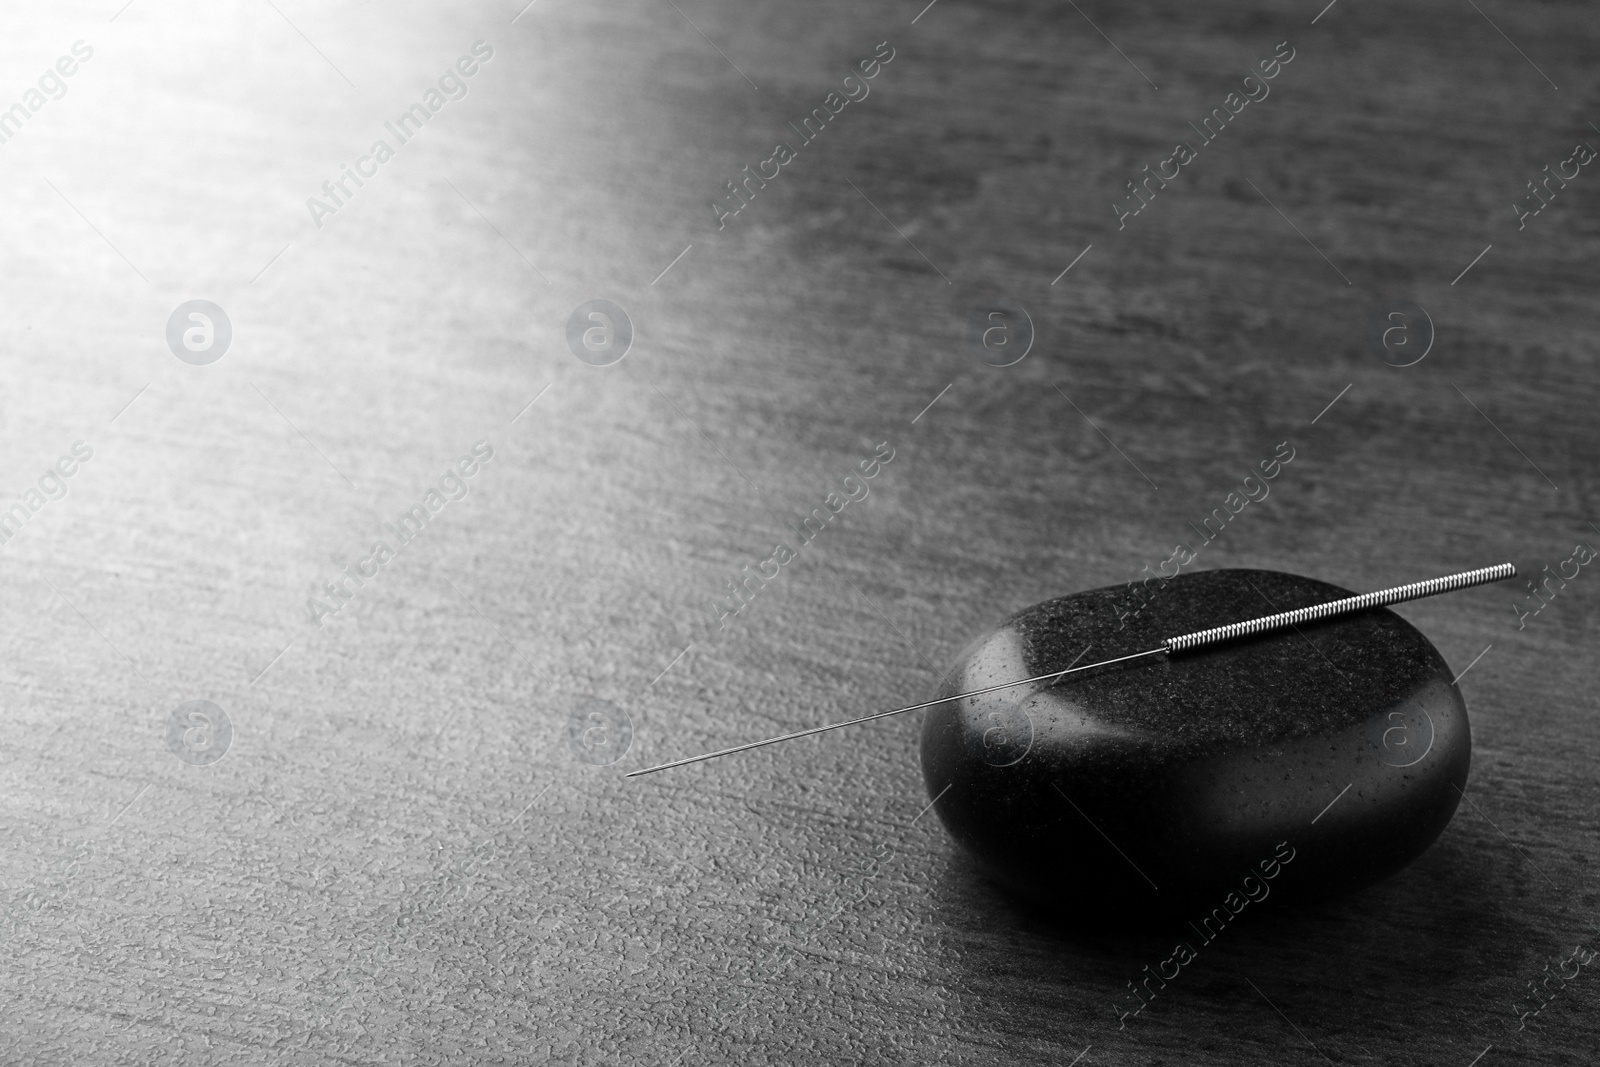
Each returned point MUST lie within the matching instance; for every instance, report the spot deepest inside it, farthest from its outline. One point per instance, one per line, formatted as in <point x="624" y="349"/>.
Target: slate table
<point x="401" y="857"/>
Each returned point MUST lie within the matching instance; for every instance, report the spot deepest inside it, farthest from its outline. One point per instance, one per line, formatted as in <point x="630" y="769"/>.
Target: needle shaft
<point x="1171" y="646"/>
<point x="886" y="714"/>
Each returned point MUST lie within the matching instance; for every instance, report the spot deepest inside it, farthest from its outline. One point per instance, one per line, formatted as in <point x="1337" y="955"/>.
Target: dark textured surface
<point x="1151" y="786"/>
<point x="400" y="861"/>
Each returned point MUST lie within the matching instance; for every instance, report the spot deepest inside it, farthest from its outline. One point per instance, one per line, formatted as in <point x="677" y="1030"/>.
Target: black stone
<point x="1164" y="783"/>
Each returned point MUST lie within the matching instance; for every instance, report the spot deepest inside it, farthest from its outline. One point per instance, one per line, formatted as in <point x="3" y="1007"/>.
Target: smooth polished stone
<point x="1162" y="784"/>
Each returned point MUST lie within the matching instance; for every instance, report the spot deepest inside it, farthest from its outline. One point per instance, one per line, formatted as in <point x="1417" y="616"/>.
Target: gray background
<point x="399" y="859"/>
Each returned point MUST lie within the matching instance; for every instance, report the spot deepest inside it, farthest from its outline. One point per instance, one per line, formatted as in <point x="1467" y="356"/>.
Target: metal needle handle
<point x="1172" y="645"/>
<point x="1342" y="606"/>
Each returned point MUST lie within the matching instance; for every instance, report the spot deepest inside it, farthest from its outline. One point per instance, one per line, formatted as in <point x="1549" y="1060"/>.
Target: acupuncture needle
<point x="1170" y="647"/>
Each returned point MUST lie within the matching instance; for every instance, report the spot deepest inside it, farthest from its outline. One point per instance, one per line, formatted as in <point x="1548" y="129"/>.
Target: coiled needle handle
<point x="1171" y="646"/>
<point x="1343" y="606"/>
